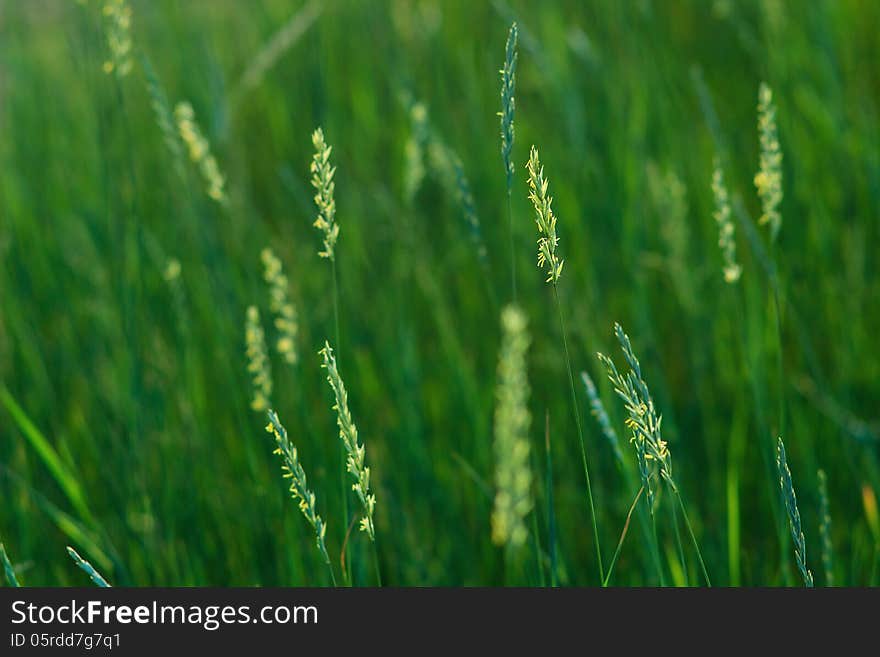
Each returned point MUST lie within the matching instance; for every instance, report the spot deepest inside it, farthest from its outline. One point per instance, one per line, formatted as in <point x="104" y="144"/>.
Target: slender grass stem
<point x="622" y="536"/>
<point x="551" y="516"/>
<point x="678" y="545"/>
<point x="376" y="564"/>
<point x="512" y="248"/>
<point x="690" y="529"/>
<point x="577" y="420"/>
<point x="655" y="544"/>
<point x="346" y="570"/>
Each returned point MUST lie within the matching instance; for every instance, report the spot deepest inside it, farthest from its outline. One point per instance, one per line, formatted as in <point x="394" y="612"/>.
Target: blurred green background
<point x="125" y="427"/>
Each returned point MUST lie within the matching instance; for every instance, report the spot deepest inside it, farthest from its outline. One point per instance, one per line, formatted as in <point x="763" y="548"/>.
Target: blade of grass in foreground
<point x="87" y="568"/>
<point x="60" y="472"/>
<point x="7" y="567"/>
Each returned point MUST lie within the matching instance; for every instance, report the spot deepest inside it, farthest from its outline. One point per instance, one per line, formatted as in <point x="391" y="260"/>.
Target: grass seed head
<point x="285" y="315"/>
<point x="545" y="219"/>
<point x="768" y="180"/>
<point x="513" y="477"/>
<point x="508" y="103"/>
<point x="348" y="433"/>
<point x="726" y="239"/>
<point x="200" y="151"/>
<point x="299" y="485"/>
<point x="258" y="359"/>
<point x="322" y="180"/>
<point x="794" y="516"/>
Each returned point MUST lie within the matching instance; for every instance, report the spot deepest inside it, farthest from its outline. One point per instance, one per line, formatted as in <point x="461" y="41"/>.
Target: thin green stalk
<point x="678" y="545"/>
<point x="690" y="529"/>
<point x="376" y="564"/>
<point x="622" y="536"/>
<point x="656" y="548"/>
<point x="346" y="571"/>
<point x="512" y="247"/>
<point x="551" y="516"/>
<point x="577" y="420"/>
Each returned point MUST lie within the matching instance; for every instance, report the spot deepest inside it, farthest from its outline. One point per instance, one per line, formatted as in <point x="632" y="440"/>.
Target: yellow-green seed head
<point x="283" y="310"/>
<point x="513" y="477"/>
<point x="322" y="180"/>
<point x="258" y="361"/>
<point x="200" y="151"/>
<point x="545" y="219"/>
<point x="768" y="180"/>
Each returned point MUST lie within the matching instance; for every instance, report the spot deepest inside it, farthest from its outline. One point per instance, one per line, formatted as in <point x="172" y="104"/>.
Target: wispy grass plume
<point x="644" y="422"/>
<point x="597" y="409"/>
<point x="513" y="477"/>
<point x="726" y="230"/>
<point x="164" y="116"/>
<point x="8" y="570"/>
<point x="794" y="516"/>
<point x="283" y="310"/>
<point x="356" y="464"/>
<point x="548" y="258"/>
<point x="117" y="26"/>
<point x="508" y="106"/>
<point x="825" y="529"/>
<point x="200" y="151"/>
<point x="87" y="568"/>
<point x="258" y="360"/>
<point x="299" y="485"/>
<point x="768" y="180"/>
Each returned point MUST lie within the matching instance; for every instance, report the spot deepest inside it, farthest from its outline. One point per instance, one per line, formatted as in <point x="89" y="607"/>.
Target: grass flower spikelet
<point x="299" y="485"/>
<point x="356" y="463"/>
<point x="258" y="360"/>
<point x="643" y="420"/>
<point x="726" y="240"/>
<point x="117" y="23"/>
<point x="284" y="311"/>
<point x="508" y="103"/>
<point x="544" y="217"/>
<point x="768" y="180"/>
<point x="200" y="151"/>
<point x="322" y="180"/>
<point x="597" y="409"/>
<point x="794" y="516"/>
<point x="513" y="477"/>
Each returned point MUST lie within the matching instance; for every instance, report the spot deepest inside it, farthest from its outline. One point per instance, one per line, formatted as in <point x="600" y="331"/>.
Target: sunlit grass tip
<point x="726" y="230"/>
<point x="258" y="365"/>
<point x="87" y="568"/>
<point x="322" y="180"/>
<point x="545" y="219"/>
<point x="513" y="477"/>
<point x="348" y="433"/>
<point x="794" y="516"/>
<point x="768" y="180"/>
<point x="200" y="151"/>
<point x="283" y="311"/>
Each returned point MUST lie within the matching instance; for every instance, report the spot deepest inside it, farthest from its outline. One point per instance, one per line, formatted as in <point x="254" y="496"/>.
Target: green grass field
<point x="126" y="422"/>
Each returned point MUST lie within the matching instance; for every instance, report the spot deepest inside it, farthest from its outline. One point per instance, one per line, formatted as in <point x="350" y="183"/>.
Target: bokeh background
<point x="125" y="427"/>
